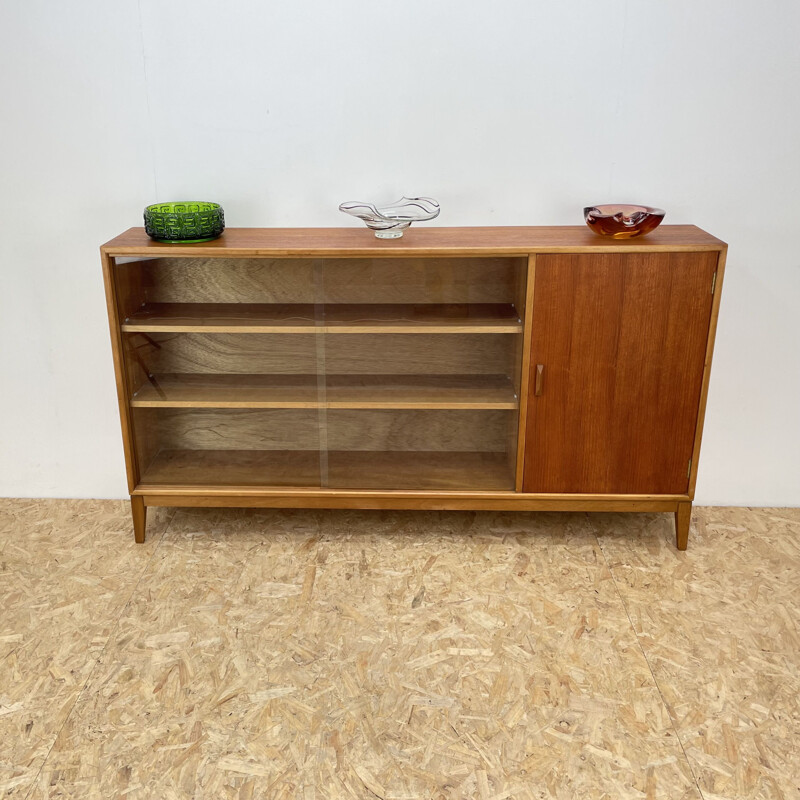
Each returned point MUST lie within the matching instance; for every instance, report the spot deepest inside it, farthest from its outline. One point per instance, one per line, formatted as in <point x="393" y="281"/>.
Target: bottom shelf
<point x="401" y="470"/>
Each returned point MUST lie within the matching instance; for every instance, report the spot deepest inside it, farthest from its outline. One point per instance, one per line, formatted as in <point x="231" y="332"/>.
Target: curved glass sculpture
<point x="390" y="221"/>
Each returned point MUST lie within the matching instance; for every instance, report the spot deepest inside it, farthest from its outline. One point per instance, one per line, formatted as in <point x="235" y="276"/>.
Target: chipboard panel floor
<point x="337" y="654"/>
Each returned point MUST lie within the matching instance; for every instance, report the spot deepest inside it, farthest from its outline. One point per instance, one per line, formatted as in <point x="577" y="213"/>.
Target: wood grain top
<point x="333" y="242"/>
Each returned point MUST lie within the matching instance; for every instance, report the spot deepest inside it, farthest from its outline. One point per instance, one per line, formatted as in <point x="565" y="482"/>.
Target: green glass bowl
<point x="184" y="223"/>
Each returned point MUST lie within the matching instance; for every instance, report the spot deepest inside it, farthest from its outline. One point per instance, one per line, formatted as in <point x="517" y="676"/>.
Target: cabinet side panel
<point x="712" y="333"/>
<point x="129" y="289"/>
<point x="621" y="340"/>
<point x="113" y="303"/>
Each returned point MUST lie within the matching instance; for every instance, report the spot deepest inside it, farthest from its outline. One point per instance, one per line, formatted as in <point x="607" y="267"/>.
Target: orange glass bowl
<point x="622" y="221"/>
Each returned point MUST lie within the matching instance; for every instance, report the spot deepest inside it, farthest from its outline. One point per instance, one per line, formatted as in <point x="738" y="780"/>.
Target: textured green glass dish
<point x="184" y="223"/>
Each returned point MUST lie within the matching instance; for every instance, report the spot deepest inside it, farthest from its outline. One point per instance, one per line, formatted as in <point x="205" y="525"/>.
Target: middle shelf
<point x="329" y="391"/>
<point x="324" y="318"/>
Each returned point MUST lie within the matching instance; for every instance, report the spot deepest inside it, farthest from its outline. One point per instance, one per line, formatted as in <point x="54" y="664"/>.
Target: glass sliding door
<point x="222" y="371"/>
<point x="351" y="373"/>
<point x="422" y="372"/>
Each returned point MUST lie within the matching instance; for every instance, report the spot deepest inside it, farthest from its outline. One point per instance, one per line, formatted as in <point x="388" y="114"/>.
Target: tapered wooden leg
<point x="683" y="517"/>
<point x="139" y="512"/>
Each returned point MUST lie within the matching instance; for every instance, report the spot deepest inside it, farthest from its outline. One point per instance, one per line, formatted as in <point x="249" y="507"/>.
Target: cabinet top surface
<point x="415" y="242"/>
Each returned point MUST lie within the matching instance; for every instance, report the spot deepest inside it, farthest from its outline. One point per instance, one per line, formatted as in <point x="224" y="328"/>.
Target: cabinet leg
<point x="139" y="513"/>
<point x="683" y="517"/>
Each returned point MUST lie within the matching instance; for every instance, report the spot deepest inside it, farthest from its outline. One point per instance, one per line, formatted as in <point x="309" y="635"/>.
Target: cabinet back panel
<point x="344" y="354"/>
<point x="221" y="280"/>
<point x="430" y="280"/>
<point x="161" y="429"/>
<point x="622" y="341"/>
<point x="420" y="354"/>
<point x="227" y="353"/>
<point x="347" y="280"/>
<point x="230" y="429"/>
<point x="483" y="431"/>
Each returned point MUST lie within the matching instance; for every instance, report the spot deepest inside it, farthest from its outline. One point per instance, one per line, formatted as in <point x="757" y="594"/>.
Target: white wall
<point x="514" y="112"/>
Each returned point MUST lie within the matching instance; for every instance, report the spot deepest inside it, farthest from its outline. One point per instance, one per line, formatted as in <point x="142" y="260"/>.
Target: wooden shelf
<point x="422" y="471"/>
<point x="330" y="318"/>
<point x="222" y="318"/>
<point x="422" y="318"/>
<point x="228" y="391"/>
<point x="338" y="391"/>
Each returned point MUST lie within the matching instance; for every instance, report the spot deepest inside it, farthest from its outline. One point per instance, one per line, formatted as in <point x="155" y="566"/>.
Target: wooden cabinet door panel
<point x="621" y="339"/>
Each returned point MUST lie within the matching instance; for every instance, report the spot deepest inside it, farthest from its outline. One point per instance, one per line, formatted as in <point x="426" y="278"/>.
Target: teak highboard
<point x="455" y="368"/>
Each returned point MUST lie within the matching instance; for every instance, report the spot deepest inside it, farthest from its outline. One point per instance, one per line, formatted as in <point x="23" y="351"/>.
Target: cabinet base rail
<point x="679" y="505"/>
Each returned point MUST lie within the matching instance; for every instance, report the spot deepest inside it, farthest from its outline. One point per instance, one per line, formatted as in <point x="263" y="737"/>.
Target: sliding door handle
<point x="537" y="386"/>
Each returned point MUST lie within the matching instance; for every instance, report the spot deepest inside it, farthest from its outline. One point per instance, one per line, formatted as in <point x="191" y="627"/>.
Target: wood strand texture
<point x="299" y="654"/>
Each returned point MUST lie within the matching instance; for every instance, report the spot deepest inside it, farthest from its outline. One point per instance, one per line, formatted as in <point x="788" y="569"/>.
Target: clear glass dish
<point x="391" y="220"/>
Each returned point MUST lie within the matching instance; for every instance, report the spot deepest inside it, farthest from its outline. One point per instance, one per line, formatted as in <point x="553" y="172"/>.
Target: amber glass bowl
<point x="622" y="221"/>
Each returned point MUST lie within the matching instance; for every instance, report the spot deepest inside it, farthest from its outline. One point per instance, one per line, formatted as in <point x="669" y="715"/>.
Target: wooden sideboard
<point x="535" y="368"/>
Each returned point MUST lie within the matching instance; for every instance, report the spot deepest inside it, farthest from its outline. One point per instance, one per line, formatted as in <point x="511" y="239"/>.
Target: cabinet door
<point x="618" y="349"/>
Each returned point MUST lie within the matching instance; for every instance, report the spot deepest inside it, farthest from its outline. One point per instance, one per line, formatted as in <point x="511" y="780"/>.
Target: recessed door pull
<point x="537" y="390"/>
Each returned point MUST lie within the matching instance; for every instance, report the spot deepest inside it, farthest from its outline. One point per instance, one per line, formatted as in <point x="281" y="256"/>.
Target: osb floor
<point x="294" y="654"/>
